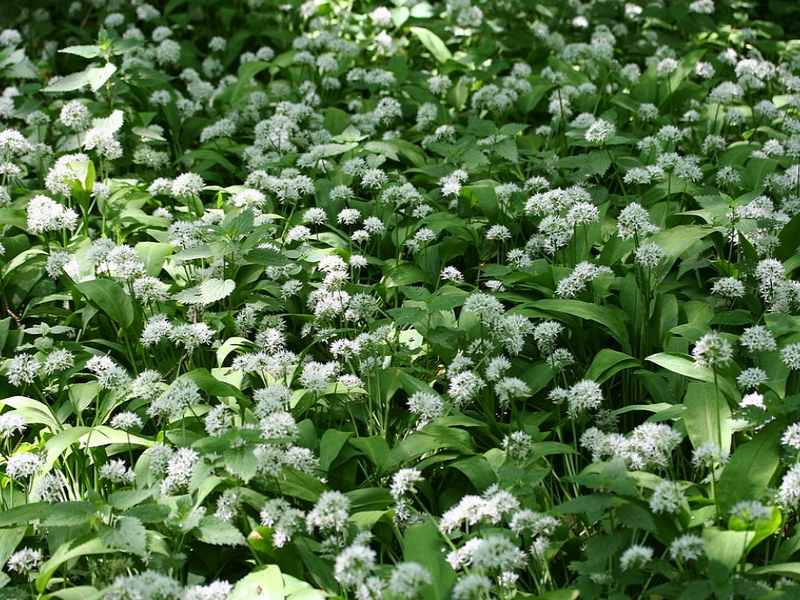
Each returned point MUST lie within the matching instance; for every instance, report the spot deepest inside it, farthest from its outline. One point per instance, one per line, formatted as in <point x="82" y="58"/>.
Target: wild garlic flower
<point x="24" y="464"/>
<point x="649" y="254"/>
<point x="403" y="483"/>
<point x="22" y="368"/>
<point x="464" y="386"/>
<point x="283" y="518"/>
<point x="147" y="584"/>
<point x="116" y="471"/>
<point x="179" y="470"/>
<point x="330" y="513"/>
<point x="751" y="378"/>
<point x="791" y="436"/>
<point x="518" y="445"/>
<point x="45" y="214"/>
<point x="758" y="339"/>
<point x="11" y="423"/>
<point x="472" y="586"/>
<point x="708" y="455"/>
<point x="452" y="274"/>
<point x="428" y="406"/>
<point x="728" y="287"/>
<point x="712" y="350"/>
<point x="687" y="547"/>
<point x="599" y="131"/>
<point x="583" y="273"/>
<point x="789" y="492"/>
<point x="126" y="420"/>
<point x="667" y="497"/>
<point x="751" y="511"/>
<point x="635" y="557"/>
<point x="790" y="355"/>
<point x="187" y="185"/>
<point x="24" y="561"/>
<point x="407" y="579"/>
<point x="634" y="221"/>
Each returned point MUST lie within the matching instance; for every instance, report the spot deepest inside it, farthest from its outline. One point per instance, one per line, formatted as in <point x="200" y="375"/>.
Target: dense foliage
<point x="462" y="299"/>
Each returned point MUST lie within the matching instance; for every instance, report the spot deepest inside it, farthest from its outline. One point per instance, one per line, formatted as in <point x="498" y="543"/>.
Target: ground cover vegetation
<point x="430" y="300"/>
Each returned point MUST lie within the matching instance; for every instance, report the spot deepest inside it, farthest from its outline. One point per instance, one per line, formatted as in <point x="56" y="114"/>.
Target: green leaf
<point x="400" y="15"/>
<point x="69" y="83"/>
<point x="593" y="505"/>
<point x="25" y="514"/>
<point x="608" y="317"/>
<point x="83" y="51"/>
<point x="128" y="534"/>
<point x="112" y="122"/>
<point x="267" y="257"/>
<point x="428" y="439"/>
<point x="374" y="448"/>
<point x="608" y="363"/>
<point x="33" y="411"/>
<point x="110" y="298"/>
<point x="336" y="120"/>
<point x="564" y="594"/>
<point x="153" y="255"/>
<point x="100" y="75"/>
<point x="751" y="468"/>
<point x="9" y="540"/>
<point x="241" y="462"/>
<point x="261" y="539"/>
<point x="148" y="134"/>
<point x="210" y="291"/>
<point x="85" y="546"/>
<point x="65" y="514"/>
<point x="125" y="499"/>
<point x="243" y="86"/>
<point x="330" y="445"/>
<point x="422" y="544"/>
<point x="81" y="592"/>
<point x="478" y="471"/>
<point x="213" y="386"/>
<point x="726" y="547"/>
<point x="763" y="527"/>
<point x="707" y="415"/>
<point x="433" y="43"/>
<point x="682" y="364"/>
<point x="270" y="584"/>
<point x="480" y="127"/>
<point x="215" y="531"/>
<point x="783" y="569"/>
<point x="149" y="513"/>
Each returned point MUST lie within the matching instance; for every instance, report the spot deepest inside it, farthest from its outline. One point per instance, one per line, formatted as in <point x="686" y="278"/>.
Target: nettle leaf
<point x="480" y="127"/>
<point x="149" y="513"/>
<point x="99" y="76"/>
<point x="83" y="51"/>
<point x="211" y="290"/>
<point x="508" y="150"/>
<point x="266" y="257"/>
<point x="112" y="122"/>
<point x="219" y="533"/>
<point x="69" y="83"/>
<point x="128" y="534"/>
